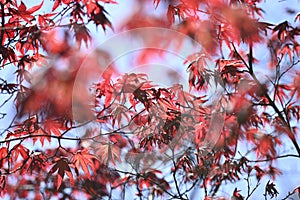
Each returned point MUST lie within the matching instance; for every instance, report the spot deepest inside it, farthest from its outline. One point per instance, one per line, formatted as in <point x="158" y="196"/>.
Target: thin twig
<point x="271" y="102"/>
<point x="275" y="158"/>
<point x="2" y="23"/>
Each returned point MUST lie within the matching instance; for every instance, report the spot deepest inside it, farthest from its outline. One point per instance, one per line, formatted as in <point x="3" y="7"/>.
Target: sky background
<point x="275" y="12"/>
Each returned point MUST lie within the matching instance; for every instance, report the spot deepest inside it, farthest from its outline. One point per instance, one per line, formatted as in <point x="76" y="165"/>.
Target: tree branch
<point x="2" y="24"/>
<point x="265" y="93"/>
<point x="275" y="158"/>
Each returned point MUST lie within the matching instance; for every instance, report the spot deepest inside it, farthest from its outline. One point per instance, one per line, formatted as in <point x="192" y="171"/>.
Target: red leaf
<point x="63" y="168"/>
<point x="22" y="7"/>
<point x="56" y="4"/>
<point x="273" y="172"/>
<point x="119" y="114"/>
<point x="54" y="127"/>
<point x="35" y="8"/>
<point x="266" y="146"/>
<point x="36" y="162"/>
<point x="83" y="159"/>
<point x="109" y="153"/>
<point x="81" y="34"/>
<point x="282" y="30"/>
<point x="258" y="172"/>
<point x="118" y="140"/>
<point x="271" y="190"/>
<point x="98" y="16"/>
<point x="170" y="14"/>
<point x="3" y="155"/>
<point x="19" y="156"/>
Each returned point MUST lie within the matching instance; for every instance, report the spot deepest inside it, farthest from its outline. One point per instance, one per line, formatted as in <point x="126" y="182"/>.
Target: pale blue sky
<point x="275" y="13"/>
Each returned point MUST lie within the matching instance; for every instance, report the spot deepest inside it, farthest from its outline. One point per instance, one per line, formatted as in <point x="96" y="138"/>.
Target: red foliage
<point x="133" y="134"/>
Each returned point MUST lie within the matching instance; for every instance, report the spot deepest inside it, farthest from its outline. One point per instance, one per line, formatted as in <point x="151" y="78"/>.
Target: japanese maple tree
<point x="75" y="125"/>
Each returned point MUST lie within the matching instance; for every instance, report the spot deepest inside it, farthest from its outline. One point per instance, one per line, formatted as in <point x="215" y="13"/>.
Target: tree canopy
<point x="186" y="98"/>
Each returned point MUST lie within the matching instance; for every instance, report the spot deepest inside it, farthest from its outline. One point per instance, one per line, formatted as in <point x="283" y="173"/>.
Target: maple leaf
<point x="62" y="166"/>
<point x="82" y="34"/>
<point x="263" y="26"/>
<point x="83" y="159"/>
<point x="282" y="30"/>
<point x="259" y="172"/>
<point x="45" y="22"/>
<point x="271" y="190"/>
<point x="119" y="113"/>
<point x="266" y="145"/>
<point x="118" y="140"/>
<point x="105" y="89"/>
<point x="19" y="156"/>
<point x="141" y="116"/>
<point x="109" y="152"/>
<point x="272" y="171"/>
<point x="150" y="177"/>
<point x="97" y="14"/>
<point x="53" y="127"/>
<point x="7" y="54"/>
<point x="25" y="13"/>
<point x="36" y="162"/>
<point x="20" y="150"/>
<point x="243" y="26"/>
<point x="30" y="126"/>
